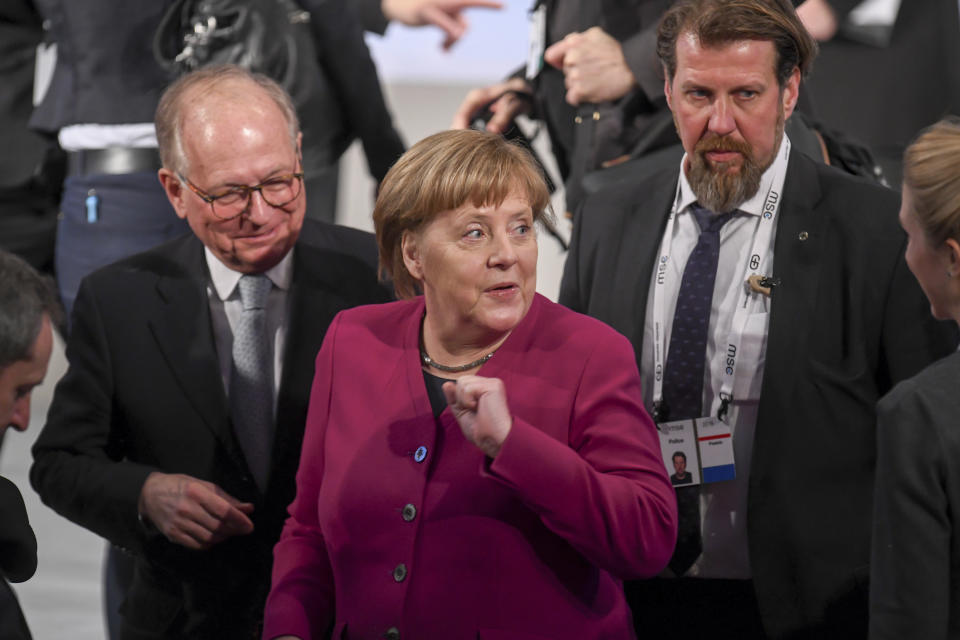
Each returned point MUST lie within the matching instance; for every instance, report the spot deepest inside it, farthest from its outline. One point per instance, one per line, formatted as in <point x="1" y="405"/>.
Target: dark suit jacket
<point x="18" y="559"/>
<point x="847" y="321"/>
<point x="144" y="393"/>
<point x="914" y="585"/>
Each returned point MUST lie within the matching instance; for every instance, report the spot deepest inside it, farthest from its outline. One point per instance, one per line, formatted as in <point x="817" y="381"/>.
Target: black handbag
<point x="272" y="37"/>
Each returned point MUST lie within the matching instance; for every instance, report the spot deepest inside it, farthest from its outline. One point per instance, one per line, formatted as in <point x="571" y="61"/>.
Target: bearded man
<point x="769" y="306"/>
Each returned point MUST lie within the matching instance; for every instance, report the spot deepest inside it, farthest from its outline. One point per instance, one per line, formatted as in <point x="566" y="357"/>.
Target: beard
<point x="721" y="186"/>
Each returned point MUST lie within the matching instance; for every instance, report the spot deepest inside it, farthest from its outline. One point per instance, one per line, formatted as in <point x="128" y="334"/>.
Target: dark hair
<point x="25" y="298"/>
<point x="679" y="454"/>
<point x="720" y="22"/>
<point x="445" y="171"/>
<point x="223" y="78"/>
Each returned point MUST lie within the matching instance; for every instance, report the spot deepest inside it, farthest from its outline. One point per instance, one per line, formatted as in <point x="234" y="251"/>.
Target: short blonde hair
<point x="931" y="171"/>
<point x="443" y="172"/>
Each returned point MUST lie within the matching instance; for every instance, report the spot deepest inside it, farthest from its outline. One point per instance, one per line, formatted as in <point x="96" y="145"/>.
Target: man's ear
<point x="790" y="93"/>
<point x="666" y="88"/>
<point x="410" y="250"/>
<point x="175" y="190"/>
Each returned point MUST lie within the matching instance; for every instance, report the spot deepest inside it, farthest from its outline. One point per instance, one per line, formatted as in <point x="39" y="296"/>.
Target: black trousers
<point x="694" y="608"/>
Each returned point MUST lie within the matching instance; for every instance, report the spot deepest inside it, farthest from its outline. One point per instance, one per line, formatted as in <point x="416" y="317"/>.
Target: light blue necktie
<point x="251" y="378"/>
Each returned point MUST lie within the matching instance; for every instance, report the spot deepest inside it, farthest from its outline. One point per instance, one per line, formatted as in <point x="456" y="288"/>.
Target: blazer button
<point x="400" y="572"/>
<point x="392" y="634"/>
<point x="409" y="513"/>
<point x="420" y="454"/>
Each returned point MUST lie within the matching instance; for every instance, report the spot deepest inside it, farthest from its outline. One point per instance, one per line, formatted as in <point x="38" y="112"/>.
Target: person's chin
<point x="505" y="314"/>
<point x="257" y="259"/>
<point x="725" y="168"/>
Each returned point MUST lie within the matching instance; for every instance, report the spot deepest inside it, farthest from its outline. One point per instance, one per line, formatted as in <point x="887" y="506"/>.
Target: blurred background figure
<point x="30" y="164"/>
<point x="28" y="313"/>
<point x="886" y="69"/>
<point x="915" y="566"/>
<point x="592" y="77"/>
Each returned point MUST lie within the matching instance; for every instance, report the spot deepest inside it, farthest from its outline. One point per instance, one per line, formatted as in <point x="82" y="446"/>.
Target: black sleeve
<point x="78" y="466"/>
<point x="911" y="582"/>
<point x="371" y="15"/>
<point x="344" y="56"/>
<point x="18" y="544"/>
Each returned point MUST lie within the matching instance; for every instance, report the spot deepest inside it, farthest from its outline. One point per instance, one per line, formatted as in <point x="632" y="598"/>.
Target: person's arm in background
<point x="447" y="15"/>
<point x="823" y="18"/>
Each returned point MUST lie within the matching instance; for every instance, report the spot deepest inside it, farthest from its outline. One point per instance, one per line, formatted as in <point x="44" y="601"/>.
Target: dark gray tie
<point x="251" y="378"/>
<point x="686" y="361"/>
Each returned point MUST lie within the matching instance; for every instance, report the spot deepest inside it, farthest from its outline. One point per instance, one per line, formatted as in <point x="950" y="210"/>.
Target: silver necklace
<point x="430" y="362"/>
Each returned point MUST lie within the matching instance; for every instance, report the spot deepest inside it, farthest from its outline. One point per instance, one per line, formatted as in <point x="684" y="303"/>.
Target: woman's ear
<point x="410" y="250"/>
<point x="953" y="256"/>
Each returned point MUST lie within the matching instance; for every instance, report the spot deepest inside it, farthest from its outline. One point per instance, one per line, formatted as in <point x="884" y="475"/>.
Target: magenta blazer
<point x="403" y="529"/>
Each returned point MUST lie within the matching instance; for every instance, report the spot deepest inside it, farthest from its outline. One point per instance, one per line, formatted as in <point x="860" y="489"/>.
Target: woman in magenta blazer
<point x="477" y="460"/>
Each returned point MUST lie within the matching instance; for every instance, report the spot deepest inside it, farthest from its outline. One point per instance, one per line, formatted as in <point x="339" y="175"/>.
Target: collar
<point x="225" y="279"/>
<point x="753" y="206"/>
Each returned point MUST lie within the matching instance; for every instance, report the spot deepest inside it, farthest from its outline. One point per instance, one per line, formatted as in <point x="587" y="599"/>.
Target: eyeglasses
<point x="276" y="192"/>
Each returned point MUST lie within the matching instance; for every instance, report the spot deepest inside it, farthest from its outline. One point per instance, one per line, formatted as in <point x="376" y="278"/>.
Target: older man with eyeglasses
<point x="176" y="431"/>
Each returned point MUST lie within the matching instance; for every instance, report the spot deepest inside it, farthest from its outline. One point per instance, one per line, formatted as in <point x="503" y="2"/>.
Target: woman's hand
<point x="480" y="407"/>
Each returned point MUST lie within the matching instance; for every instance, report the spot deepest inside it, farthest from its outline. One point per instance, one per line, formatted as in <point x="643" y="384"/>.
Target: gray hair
<point x="25" y="298"/>
<point x="170" y="110"/>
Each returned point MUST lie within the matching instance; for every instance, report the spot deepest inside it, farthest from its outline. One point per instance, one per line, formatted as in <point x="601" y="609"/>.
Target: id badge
<point x="538" y="39"/>
<point x="715" y="444"/>
<point x="678" y="446"/>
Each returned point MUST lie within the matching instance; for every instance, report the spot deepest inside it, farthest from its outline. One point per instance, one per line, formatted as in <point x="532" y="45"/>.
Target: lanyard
<point x="758" y="256"/>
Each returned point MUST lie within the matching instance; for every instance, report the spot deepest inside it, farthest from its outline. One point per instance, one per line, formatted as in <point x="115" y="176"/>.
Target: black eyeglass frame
<point x="247" y="191"/>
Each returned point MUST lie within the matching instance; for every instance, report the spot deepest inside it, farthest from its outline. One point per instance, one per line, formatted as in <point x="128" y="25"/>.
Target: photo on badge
<point x="678" y="446"/>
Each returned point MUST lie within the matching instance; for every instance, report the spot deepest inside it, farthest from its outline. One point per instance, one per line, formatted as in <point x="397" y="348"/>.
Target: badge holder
<point x="697" y="451"/>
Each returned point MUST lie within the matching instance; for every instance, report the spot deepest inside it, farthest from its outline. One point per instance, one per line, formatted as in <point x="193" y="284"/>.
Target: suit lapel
<point x="796" y="261"/>
<point x="639" y="243"/>
<point x="312" y="307"/>
<point x="181" y="326"/>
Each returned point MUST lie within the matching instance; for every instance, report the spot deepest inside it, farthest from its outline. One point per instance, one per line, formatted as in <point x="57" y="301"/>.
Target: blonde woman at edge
<point x="915" y="581"/>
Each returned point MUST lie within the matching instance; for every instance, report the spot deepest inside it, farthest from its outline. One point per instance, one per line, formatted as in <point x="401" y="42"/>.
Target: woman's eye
<point x="473" y="234"/>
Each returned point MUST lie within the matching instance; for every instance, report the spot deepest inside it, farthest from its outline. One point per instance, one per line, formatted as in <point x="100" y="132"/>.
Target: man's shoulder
<point x="180" y="257"/>
<point x="642" y="186"/>
<point x="340" y="259"/>
<point x="629" y="181"/>
<point x="337" y="242"/>
<point x="855" y="194"/>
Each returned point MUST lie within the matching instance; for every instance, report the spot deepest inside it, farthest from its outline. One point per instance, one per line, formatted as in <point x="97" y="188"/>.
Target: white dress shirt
<point x="226" y="307"/>
<point x="723" y="505"/>
<point x="76" y="137"/>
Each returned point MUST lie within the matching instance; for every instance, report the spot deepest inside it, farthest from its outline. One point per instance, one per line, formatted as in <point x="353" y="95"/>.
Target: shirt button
<point x="392" y="634"/>
<point x="400" y="572"/>
<point x="420" y="454"/>
<point x="409" y="513"/>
